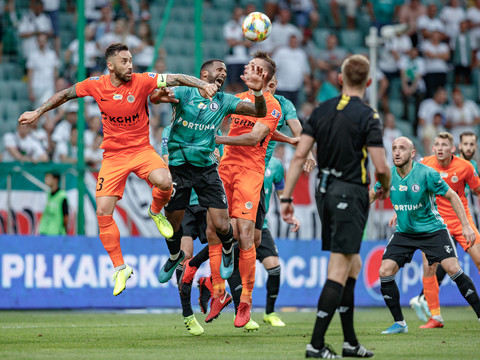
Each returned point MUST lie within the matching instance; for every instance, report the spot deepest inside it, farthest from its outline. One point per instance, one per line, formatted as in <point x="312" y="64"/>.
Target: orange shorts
<point x="242" y="186"/>
<point x="117" y="165"/>
<point x="455" y="229"/>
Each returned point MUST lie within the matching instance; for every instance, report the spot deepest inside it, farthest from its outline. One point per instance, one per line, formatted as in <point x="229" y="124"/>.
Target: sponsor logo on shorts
<point x="130" y="98"/>
<point x="454" y="179"/>
<point x="213" y="106"/>
<point x="322" y="314"/>
<point x="117" y="96"/>
<point x="403" y="188"/>
<point x="224" y="198"/>
<point x="448" y="248"/>
<point x="248" y="205"/>
<point x="342" y="205"/>
<point x="415" y="188"/>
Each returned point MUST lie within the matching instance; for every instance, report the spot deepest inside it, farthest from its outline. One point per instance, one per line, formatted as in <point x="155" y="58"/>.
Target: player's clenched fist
<point x="28" y="117"/>
<point x="211" y="90"/>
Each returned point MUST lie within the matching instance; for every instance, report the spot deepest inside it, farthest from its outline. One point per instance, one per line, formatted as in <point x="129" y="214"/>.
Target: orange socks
<point x="431" y="290"/>
<point x="160" y="198"/>
<point x="215" y="254"/>
<point x="246" y="266"/>
<point x="110" y="237"/>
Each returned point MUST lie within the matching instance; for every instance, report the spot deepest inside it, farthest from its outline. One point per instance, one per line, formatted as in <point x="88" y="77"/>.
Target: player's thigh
<point x="400" y="249"/>
<point x="246" y="194"/>
<point x="209" y="188"/>
<point x="145" y="162"/>
<point x="182" y="181"/>
<point x="438" y="246"/>
<point x="474" y="252"/>
<point x="267" y="247"/>
<point x="458" y="236"/>
<point x="226" y="174"/>
<point x="112" y="176"/>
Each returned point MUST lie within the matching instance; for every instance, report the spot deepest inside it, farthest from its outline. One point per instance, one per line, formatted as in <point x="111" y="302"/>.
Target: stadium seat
<point x="6" y="92"/>
<point x="10" y="71"/>
<point x="395" y="89"/>
<point x="19" y="89"/>
<point x="320" y="37"/>
<point x="350" y="39"/>
<point x="468" y="91"/>
<point x="396" y="108"/>
<point x="405" y="127"/>
<point x="12" y="112"/>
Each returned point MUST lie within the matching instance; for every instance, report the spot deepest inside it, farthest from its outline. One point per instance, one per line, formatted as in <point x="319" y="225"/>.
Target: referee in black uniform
<point x="344" y="129"/>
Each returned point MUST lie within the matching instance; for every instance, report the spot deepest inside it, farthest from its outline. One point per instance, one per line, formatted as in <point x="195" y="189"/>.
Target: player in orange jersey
<point x="122" y="99"/>
<point x="242" y="170"/>
<point x="457" y="173"/>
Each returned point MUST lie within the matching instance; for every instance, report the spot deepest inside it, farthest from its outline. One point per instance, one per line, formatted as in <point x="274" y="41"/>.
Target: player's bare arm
<point x="163" y="95"/>
<point x="191" y="81"/>
<point x="296" y="128"/>
<point x="254" y="80"/>
<point x="55" y="101"/>
<point x="281" y="137"/>
<point x="382" y="170"/>
<point x="258" y="133"/>
<point x="457" y="206"/>
<point x="295" y="223"/>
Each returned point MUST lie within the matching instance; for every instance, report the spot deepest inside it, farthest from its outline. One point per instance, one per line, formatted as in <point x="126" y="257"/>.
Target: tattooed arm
<point x="55" y="101"/>
<point x="191" y="81"/>
<point x="259" y="109"/>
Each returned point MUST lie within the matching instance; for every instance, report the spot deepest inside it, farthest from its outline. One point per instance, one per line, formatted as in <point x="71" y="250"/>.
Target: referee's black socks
<point x="327" y="304"/>
<point x="346" y="312"/>
<point x="227" y="240"/>
<point x="467" y="289"/>
<point x="391" y="295"/>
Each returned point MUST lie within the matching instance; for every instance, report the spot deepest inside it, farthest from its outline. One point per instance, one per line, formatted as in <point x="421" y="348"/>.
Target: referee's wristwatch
<point x="286" y="200"/>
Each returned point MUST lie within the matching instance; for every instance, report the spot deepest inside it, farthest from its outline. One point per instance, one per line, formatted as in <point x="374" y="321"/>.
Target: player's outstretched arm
<point x="254" y="81"/>
<point x="382" y="170"/>
<point x="190" y="81"/>
<point x="258" y="133"/>
<point x="281" y="137"/>
<point x="55" y="101"/>
<point x="457" y="206"/>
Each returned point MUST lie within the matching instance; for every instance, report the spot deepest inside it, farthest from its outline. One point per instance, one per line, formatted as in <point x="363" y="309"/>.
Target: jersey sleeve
<point x="279" y="177"/>
<point x="472" y="178"/>
<point x="165" y="136"/>
<point x="85" y="87"/>
<point x="374" y="130"/>
<point x="150" y="81"/>
<point x="435" y="183"/>
<point x="231" y="103"/>
<point x="289" y="111"/>
<point x="274" y="113"/>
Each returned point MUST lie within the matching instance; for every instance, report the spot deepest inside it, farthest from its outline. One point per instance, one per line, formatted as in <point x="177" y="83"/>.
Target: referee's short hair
<point x="356" y="71"/>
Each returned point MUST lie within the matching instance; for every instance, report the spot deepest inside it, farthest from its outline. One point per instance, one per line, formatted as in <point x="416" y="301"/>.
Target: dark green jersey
<point x="196" y="121"/>
<point x="274" y="175"/>
<point x="288" y="112"/>
<point x="413" y="198"/>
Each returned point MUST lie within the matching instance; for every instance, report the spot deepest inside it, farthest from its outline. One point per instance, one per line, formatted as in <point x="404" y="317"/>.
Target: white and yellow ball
<point x="256" y="27"/>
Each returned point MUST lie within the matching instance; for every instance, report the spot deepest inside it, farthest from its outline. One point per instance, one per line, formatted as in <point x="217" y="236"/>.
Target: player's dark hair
<point x="356" y="71"/>
<point x="271" y="67"/>
<point x="114" y="49"/>
<point x="207" y="64"/>
<point x="468" y="133"/>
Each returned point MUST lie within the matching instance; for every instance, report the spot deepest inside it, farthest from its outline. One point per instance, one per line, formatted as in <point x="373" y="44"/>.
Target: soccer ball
<point x="256" y="27"/>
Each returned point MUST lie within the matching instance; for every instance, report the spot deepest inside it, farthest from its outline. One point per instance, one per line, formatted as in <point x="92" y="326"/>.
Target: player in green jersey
<point x="420" y="226"/>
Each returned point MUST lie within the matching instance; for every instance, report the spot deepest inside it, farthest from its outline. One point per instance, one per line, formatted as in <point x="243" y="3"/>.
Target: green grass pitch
<point x="153" y="335"/>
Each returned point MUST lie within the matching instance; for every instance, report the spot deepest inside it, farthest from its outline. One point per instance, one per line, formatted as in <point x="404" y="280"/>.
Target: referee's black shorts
<point x="436" y="246"/>
<point x="343" y="210"/>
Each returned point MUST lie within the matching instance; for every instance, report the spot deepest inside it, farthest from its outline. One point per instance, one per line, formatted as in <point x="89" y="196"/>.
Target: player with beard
<point x="122" y="99"/>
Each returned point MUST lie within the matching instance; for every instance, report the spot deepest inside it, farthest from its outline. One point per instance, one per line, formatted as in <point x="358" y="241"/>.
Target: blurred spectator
<point x="67" y="151"/>
<point x="62" y="131"/>
<point x="329" y="88"/>
<point x="54" y="220"/>
<point x="390" y="133"/>
<point x="94" y="127"/>
<point x="293" y="71"/>
<point x="93" y="153"/>
<point x="52" y="9"/>
<point x="428" y="23"/>
<point x="452" y="15"/>
<point x="462" y="54"/>
<point x="283" y="29"/>
<point x="461" y="115"/>
<point x="42" y="70"/>
<point x="473" y="16"/>
<point x="8" y="28"/>
<point x="431" y="132"/>
<point x="144" y="54"/>
<point x="39" y="133"/>
<point x="305" y="13"/>
<point x="332" y="57"/>
<point x="270" y="7"/>
<point x="32" y="23"/>
<point x="22" y="146"/>
<point x="350" y="10"/>
<point x="436" y="56"/>
<point x="383" y="12"/>
<point x="104" y="24"/>
<point x="409" y="14"/>
<point x="121" y="34"/>
<point x="412" y="70"/>
<point x="237" y="55"/>
<point x="91" y="53"/>
<point x="93" y="9"/>
<point x="429" y="108"/>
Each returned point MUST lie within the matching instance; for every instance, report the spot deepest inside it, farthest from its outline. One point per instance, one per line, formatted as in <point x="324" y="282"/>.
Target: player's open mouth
<point x="219" y="82"/>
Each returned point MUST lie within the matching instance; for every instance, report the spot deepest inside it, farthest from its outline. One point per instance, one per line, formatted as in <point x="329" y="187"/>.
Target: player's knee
<point x="164" y="183"/>
<point x="102" y="211"/>
<point x="222" y="227"/>
<point x="385" y="271"/>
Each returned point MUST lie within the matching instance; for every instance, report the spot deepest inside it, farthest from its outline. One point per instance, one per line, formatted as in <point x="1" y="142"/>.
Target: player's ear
<point x="340" y="79"/>
<point x="454" y="148"/>
<point x="369" y="82"/>
<point x="110" y="65"/>
<point x="413" y="153"/>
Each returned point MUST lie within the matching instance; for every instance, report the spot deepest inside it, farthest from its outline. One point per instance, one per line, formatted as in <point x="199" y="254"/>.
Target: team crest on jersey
<point x="130" y="98"/>
<point x="248" y="205"/>
<point x="94" y="78"/>
<point x="403" y="188"/>
<point x="213" y="106"/>
<point x="275" y="113"/>
<point x="415" y="188"/>
<point x="454" y="178"/>
<point x="443" y="175"/>
<point x="152" y="75"/>
<point x="117" y="96"/>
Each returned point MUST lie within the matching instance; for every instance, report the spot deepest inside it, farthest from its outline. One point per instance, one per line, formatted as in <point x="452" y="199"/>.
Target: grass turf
<point x="153" y="335"/>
